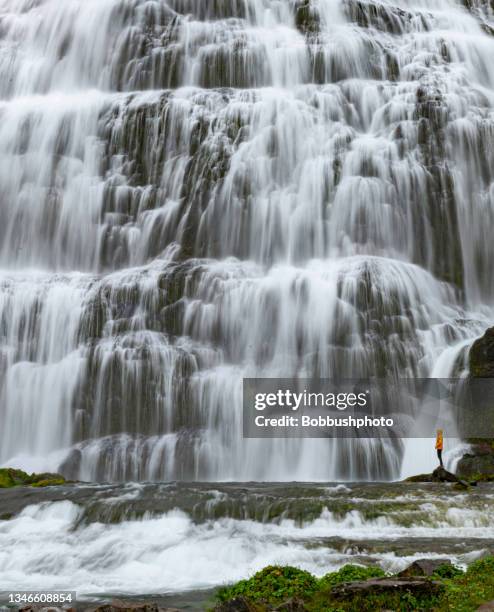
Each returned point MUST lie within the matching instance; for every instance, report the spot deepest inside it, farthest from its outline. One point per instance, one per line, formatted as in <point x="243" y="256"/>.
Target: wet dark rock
<point x="94" y="318"/>
<point x="382" y="17"/>
<point x="423" y="567"/>
<point x="306" y="17"/>
<point x="481" y="356"/>
<point x="432" y="116"/>
<point x="418" y="587"/>
<point x="440" y="474"/>
<point x="71" y="465"/>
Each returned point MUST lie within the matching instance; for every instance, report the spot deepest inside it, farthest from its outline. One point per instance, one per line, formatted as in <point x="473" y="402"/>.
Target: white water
<point x="172" y="554"/>
<point x="194" y="192"/>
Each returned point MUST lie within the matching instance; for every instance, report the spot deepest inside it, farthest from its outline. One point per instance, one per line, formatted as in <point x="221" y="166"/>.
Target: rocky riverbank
<point x="424" y="585"/>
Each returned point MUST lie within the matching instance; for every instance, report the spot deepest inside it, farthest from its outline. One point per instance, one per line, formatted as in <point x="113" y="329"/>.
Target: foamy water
<point x="41" y="549"/>
<point x="159" y="539"/>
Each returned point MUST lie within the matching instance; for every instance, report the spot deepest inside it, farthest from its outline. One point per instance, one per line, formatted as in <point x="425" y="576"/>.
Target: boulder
<point x="486" y="607"/>
<point x="419" y="587"/>
<point x="423" y="567"/>
<point x="440" y="474"/>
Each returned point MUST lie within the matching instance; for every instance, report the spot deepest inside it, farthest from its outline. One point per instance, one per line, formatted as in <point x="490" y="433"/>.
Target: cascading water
<point x="196" y="191"/>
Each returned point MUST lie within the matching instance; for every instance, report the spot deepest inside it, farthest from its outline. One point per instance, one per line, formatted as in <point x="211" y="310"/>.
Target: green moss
<point x="350" y="573"/>
<point x="273" y="584"/>
<point x="49" y="482"/>
<point x="5" y="480"/>
<point x="10" y="477"/>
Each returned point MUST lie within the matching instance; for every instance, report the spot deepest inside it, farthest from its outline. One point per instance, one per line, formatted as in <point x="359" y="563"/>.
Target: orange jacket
<point x="439" y="440"/>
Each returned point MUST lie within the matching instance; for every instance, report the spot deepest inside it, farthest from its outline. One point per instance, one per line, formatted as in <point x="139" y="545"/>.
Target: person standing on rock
<point x="439" y="446"/>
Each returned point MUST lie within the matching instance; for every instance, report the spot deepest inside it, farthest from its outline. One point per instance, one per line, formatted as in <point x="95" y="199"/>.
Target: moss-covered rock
<point x="420" y="478"/>
<point x="426" y="567"/>
<point x="273" y="584"/>
<point x="350" y="573"/>
<point x="10" y="477"/>
<point x="389" y="594"/>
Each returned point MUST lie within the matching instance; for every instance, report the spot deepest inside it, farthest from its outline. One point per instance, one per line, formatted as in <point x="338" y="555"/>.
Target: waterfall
<point x="197" y="191"/>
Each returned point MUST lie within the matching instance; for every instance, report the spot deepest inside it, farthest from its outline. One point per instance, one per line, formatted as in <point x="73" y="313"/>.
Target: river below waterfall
<point x="175" y="542"/>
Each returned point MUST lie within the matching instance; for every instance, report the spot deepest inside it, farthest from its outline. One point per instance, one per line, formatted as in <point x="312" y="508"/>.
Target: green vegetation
<point x="447" y="571"/>
<point x="449" y="589"/>
<point x="273" y="584"/>
<point x="350" y="573"/>
<point x="10" y="477"/>
<point x="468" y="591"/>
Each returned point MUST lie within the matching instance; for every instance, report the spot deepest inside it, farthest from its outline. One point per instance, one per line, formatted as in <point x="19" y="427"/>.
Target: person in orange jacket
<point x="440" y="446"/>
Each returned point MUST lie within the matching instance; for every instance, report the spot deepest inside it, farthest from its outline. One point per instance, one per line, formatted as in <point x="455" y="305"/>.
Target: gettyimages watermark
<point x="367" y="408"/>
